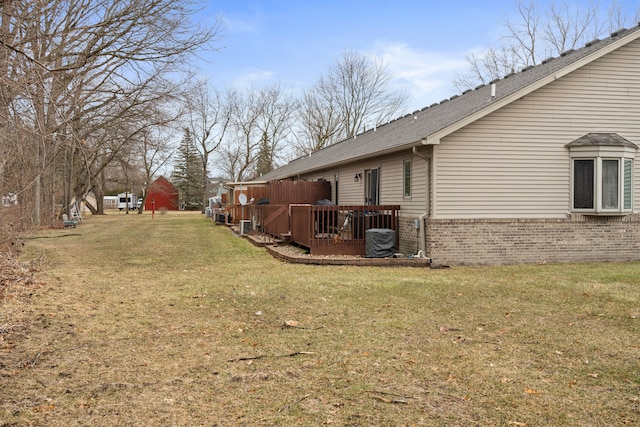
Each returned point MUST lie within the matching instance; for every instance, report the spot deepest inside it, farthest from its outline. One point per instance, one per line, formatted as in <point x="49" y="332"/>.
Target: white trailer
<point x="129" y="199"/>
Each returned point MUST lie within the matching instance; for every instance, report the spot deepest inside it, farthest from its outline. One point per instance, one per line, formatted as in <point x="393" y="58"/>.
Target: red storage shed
<point x="164" y="194"/>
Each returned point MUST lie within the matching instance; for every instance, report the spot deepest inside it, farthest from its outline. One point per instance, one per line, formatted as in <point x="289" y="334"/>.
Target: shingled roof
<point x="428" y="125"/>
<point x="600" y="139"/>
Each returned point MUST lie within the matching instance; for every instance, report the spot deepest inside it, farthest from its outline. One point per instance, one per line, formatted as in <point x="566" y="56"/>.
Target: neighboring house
<point x="540" y="166"/>
<point x="162" y="195"/>
<point x="216" y="187"/>
<point x="110" y="202"/>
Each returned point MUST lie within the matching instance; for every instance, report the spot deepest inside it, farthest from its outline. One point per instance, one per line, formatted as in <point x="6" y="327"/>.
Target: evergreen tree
<point x="187" y="173"/>
<point x="265" y="157"/>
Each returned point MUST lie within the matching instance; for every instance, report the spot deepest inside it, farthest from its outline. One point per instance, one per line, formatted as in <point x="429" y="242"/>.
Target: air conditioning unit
<point x="245" y="227"/>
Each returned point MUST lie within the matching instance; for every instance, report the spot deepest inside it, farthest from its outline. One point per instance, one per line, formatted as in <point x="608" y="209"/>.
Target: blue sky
<point x="424" y="43"/>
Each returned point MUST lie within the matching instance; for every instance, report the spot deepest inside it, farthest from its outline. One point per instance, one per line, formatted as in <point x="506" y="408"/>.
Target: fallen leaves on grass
<point x="17" y="278"/>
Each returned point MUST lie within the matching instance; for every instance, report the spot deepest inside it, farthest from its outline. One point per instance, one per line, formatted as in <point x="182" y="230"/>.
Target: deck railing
<point x="326" y="230"/>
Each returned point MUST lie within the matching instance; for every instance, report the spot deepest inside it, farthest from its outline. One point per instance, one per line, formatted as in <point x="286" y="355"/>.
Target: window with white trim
<point x="602" y="174"/>
<point x="406" y="179"/>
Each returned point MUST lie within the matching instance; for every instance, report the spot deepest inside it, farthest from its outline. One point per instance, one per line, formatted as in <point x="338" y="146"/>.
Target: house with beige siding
<point x="539" y="166"/>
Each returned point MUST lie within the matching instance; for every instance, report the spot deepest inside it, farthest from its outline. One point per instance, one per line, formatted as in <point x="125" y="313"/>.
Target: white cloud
<point x="424" y="75"/>
<point x="238" y="26"/>
<point x="252" y="78"/>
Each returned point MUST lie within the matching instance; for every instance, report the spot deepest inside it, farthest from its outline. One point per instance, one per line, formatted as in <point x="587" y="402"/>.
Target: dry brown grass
<point x="13" y="225"/>
<point x="175" y="322"/>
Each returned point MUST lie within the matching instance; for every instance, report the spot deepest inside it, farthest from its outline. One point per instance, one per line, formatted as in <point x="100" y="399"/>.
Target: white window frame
<point x="406" y="189"/>
<point x="598" y="154"/>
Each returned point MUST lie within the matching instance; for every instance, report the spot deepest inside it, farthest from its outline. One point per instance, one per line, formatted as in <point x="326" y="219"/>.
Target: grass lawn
<point x="176" y="322"/>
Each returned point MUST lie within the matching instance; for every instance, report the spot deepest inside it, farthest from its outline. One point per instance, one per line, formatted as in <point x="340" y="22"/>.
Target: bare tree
<point x="567" y="25"/>
<point x="6" y="77"/>
<point x="319" y="120"/>
<point x="260" y="125"/>
<point x="484" y="68"/>
<point x="77" y="67"/>
<point x="276" y="109"/>
<point x="240" y="154"/>
<point x="361" y="88"/>
<point x="355" y="93"/>
<point x="209" y="117"/>
<point x="617" y="18"/>
<point x="230" y="160"/>
<point x="523" y="34"/>
<point x="534" y="35"/>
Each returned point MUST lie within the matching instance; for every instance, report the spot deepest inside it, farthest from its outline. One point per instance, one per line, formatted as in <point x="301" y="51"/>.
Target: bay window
<point x="602" y="174"/>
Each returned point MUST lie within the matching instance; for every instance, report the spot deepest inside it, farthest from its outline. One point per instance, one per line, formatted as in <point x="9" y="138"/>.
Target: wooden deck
<point x="326" y="230"/>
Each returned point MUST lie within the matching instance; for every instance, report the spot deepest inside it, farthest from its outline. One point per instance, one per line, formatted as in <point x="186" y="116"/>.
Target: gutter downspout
<point x="423" y="216"/>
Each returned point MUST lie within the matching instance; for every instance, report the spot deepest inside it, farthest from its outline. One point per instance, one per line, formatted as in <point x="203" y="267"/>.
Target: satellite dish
<point x="242" y="198"/>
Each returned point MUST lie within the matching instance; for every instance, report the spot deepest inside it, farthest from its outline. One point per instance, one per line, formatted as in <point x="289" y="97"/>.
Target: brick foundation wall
<point x="408" y="237"/>
<point x="526" y="241"/>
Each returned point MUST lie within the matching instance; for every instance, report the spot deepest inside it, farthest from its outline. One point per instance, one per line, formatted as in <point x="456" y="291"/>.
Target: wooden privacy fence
<point x="326" y="230"/>
<point x="278" y="193"/>
<point x="287" y="192"/>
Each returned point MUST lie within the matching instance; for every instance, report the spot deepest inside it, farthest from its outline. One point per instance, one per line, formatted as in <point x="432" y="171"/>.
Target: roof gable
<point x="162" y="184"/>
